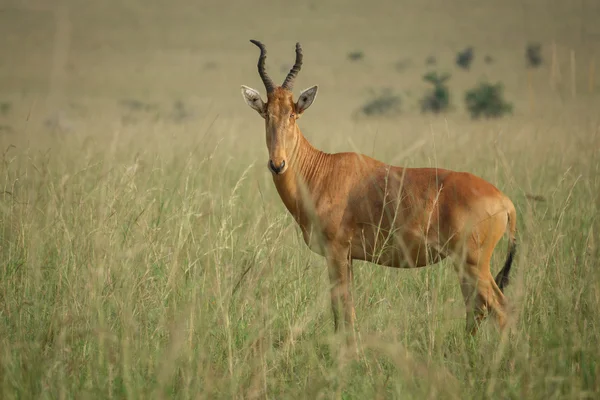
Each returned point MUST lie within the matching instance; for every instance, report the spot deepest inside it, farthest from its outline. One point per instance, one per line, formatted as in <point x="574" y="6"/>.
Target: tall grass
<point x="164" y="268"/>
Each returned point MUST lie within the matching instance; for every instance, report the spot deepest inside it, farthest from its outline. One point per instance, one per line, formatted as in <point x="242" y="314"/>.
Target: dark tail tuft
<point x="502" y="279"/>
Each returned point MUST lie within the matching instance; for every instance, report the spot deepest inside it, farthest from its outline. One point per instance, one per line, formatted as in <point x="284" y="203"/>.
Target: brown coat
<point x="353" y="207"/>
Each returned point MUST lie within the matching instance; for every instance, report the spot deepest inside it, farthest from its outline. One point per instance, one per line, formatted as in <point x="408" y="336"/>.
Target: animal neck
<point x="306" y="170"/>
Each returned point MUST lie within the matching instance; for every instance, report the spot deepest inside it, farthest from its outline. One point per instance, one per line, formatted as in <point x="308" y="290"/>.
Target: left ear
<point x="253" y="99"/>
<point x="306" y="99"/>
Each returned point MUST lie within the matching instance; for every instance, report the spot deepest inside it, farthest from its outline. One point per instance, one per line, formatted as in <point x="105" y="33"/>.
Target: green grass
<point x="144" y="252"/>
<point x="163" y="268"/>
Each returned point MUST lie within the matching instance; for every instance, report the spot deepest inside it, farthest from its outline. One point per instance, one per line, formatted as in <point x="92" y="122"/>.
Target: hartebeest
<point x="352" y="207"/>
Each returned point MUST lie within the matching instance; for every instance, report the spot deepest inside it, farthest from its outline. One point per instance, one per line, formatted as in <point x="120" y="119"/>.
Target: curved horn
<point x="261" y="66"/>
<point x="289" y="80"/>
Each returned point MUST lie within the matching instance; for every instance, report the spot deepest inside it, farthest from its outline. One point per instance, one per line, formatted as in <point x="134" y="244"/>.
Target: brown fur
<point x="352" y="207"/>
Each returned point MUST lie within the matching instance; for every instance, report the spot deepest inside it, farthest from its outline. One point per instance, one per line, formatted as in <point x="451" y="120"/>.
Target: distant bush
<point x="6" y="129"/>
<point x="385" y="103"/>
<point x="356" y="55"/>
<point x="136" y="110"/>
<point x="180" y="112"/>
<point x="438" y="99"/>
<point x="487" y="100"/>
<point x="533" y="55"/>
<point x="402" y="65"/>
<point x="465" y="58"/>
<point x="5" y="107"/>
<point x="137" y="105"/>
<point x="210" y="65"/>
<point x="431" y="60"/>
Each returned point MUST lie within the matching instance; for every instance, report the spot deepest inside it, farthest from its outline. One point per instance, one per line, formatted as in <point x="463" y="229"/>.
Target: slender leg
<point x="334" y="280"/>
<point x="473" y="303"/>
<point x="481" y="294"/>
<point x="340" y="276"/>
<point x="496" y="301"/>
<point x="480" y="291"/>
<point x="352" y="316"/>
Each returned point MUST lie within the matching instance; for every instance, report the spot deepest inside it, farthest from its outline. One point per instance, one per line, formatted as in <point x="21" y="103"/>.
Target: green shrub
<point x="356" y="55"/>
<point x="533" y="55"/>
<point x="5" y="107"/>
<point x="384" y="103"/>
<point x="431" y="60"/>
<point x="465" y="58"/>
<point x="487" y="100"/>
<point x="438" y="99"/>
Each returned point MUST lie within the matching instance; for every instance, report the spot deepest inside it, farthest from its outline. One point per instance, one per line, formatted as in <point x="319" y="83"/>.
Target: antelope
<point x="352" y="207"/>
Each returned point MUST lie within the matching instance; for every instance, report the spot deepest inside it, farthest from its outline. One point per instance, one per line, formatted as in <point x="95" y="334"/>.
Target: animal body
<point x="352" y="207"/>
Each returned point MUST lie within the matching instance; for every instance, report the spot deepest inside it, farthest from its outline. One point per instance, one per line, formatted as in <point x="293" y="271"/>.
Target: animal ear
<point x="306" y="99"/>
<point x="253" y="99"/>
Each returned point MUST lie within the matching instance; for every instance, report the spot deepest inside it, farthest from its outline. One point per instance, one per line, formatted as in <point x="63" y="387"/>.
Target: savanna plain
<point x="145" y="253"/>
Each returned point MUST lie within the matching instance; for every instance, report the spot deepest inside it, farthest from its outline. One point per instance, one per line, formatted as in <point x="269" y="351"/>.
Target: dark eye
<point x="292" y="115"/>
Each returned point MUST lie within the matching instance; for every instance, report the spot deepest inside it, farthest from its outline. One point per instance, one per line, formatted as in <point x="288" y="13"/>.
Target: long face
<point x="280" y="128"/>
<point x="280" y="112"/>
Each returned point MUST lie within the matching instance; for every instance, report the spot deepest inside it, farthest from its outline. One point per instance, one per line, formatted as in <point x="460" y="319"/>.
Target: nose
<point x="276" y="169"/>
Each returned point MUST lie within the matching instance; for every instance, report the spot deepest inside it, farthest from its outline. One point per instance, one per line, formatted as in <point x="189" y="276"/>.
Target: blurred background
<point x="144" y="251"/>
<point x="72" y="60"/>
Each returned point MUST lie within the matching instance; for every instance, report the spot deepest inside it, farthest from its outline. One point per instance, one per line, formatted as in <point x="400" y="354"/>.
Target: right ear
<point x="253" y="99"/>
<point x="306" y="98"/>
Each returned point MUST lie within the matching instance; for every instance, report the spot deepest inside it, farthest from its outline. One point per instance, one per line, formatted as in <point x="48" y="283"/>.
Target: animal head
<point x="280" y="112"/>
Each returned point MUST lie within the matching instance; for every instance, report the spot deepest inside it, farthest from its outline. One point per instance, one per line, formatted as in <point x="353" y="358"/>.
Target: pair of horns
<point x="291" y="76"/>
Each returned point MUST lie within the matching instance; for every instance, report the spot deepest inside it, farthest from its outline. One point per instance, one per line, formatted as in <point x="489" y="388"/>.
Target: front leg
<point x="340" y="276"/>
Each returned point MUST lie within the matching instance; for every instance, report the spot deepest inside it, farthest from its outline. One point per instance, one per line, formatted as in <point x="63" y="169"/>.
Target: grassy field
<point x="144" y="252"/>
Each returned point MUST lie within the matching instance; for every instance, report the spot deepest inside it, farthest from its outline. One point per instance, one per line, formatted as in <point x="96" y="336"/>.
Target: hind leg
<point x="340" y="275"/>
<point x="481" y="294"/>
<point x="479" y="289"/>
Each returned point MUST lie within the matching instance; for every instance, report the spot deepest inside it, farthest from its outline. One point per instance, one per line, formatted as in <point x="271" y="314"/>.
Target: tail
<point x="502" y="279"/>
